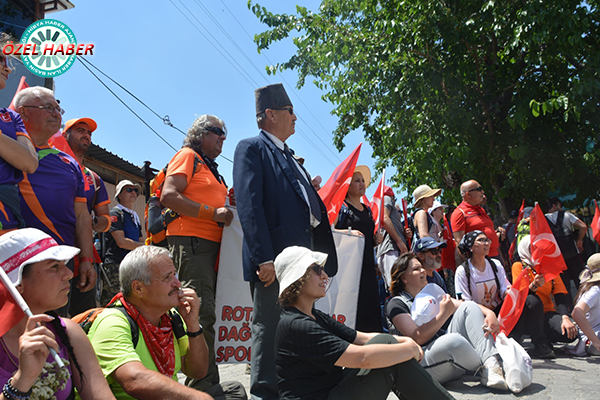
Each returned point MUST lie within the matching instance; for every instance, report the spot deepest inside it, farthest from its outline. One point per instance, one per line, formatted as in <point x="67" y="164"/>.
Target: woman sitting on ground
<point x="35" y="264"/>
<point x="454" y="341"/>
<point x="312" y="348"/>
<point x="587" y="309"/>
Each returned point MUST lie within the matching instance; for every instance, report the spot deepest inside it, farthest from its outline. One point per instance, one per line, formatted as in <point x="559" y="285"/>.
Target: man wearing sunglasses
<point x="195" y="190"/>
<point x="124" y="235"/>
<point x="429" y="253"/>
<point x="470" y="216"/>
<point x="278" y="208"/>
<point x="53" y="198"/>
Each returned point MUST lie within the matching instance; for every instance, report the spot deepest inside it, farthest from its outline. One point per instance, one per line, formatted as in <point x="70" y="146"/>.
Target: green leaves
<point x="502" y="92"/>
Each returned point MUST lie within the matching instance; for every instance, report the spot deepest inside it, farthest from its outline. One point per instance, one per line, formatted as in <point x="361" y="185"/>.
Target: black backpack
<point x="563" y="237"/>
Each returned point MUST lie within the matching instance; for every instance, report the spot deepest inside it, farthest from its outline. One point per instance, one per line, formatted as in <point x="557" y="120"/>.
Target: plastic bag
<point x="518" y="371"/>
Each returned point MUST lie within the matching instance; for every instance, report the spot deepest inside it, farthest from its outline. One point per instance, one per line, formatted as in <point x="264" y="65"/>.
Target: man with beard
<point x="197" y="192"/>
<point x="53" y="198"/>
<point x="429" y="253"/>
<point x="78" y="135"/>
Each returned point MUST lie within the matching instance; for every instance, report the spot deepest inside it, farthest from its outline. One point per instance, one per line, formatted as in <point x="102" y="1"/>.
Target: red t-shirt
<point x="469" y="218"/>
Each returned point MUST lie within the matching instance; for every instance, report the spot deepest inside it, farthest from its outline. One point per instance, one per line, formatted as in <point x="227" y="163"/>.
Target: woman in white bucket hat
<point x="35" y="265"/>
<point x="320" y="358"/>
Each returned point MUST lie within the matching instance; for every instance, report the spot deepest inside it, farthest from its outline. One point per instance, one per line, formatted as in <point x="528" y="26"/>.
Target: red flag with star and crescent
<point x="545" y="253"/>
<point x="512" y="307"/>
<point x="334" y="190"/>
<point x="596" y="223"/>
<point x="377" y="204"/>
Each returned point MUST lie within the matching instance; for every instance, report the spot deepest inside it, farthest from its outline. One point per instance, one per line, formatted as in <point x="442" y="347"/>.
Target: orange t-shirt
<point x="203" y="188"/>
<point x="545" y="292"/>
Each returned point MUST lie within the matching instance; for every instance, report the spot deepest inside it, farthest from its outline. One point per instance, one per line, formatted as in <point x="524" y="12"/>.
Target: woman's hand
<point x="492" y="323"/>
<point x="447" y="306"/>
<point x="539" y="281"/>
<point x="34" y="345"/>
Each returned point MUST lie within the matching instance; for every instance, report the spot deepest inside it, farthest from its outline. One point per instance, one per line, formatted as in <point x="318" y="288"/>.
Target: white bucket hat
<point x="436" y="204"/>
<point x="291" y="264"/>
<point x="122" y="184"/>
<point x="25" y="246"/>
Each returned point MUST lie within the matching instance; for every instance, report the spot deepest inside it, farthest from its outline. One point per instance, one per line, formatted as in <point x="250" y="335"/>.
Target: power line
<point x="287" y="83"/>
<point x="165" y="119"/>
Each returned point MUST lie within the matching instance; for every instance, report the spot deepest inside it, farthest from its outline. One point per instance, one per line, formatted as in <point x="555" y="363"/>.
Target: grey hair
<point x="196" y="133"/>
<point x="27" y="95"/>
<point x="261" y="119"/>
<point x="136" y="266"/>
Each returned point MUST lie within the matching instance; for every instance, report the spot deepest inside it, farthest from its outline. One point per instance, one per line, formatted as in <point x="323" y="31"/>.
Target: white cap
<point x="436" y="204"/>
<point x="291" y="264"/>
<point x="25" y="246"/>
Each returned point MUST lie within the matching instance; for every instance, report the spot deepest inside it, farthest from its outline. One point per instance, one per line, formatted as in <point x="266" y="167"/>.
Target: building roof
<point x="106" y="157"/>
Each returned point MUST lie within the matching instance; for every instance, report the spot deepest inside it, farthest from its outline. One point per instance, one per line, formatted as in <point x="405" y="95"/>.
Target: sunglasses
<point x="477" y="189"/>
<point x="288" y="109"/>
<point x="317" y="269"/>
<point x="217" y="131"/>
<point x="129" y="190"/>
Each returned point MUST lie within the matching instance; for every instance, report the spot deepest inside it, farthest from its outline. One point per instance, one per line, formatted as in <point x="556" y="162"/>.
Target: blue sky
<point x="185" y="69"/>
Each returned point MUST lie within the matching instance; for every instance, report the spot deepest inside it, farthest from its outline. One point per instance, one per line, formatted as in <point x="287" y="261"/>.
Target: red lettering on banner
<point x="239" y="354"/>
<point x="226" y="313"/>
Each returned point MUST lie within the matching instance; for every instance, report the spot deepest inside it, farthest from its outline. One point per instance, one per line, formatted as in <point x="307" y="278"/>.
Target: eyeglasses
<point x="288" y="109"/>
<point x="317" y="269"/>
<point x="477" y="189"/>
<point x="129" y="190"/>
<point x="435" y="252"/>
<point x="49" y="108"/>
<point x="217" y="131"/>
<point x="483" y="240"/>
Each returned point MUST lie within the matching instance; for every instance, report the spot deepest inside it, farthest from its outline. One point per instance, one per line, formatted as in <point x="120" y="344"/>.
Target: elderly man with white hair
<point x="53" y="198"/>
<point x="169" y="339"/>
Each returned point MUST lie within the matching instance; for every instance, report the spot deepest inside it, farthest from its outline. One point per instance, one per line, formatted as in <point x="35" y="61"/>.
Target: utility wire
<point x="164" y="119"/>
<point x="282" y="77"/>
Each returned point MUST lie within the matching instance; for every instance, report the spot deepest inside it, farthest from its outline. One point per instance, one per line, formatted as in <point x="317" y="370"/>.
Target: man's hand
<point x="401" y="247"/>
<point x="189" y="308"/>
<point x="568" y="328"/>
<point x="87" y="276"/>
<point x="266" y="273"/>
<point x="501" y="233"/>
<point x="223" y="214"/>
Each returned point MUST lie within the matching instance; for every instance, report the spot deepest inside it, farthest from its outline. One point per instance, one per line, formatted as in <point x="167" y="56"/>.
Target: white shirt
<point x="281" y="146"/>
<point x="483" y="284"/>
<point x="592" y="299"/>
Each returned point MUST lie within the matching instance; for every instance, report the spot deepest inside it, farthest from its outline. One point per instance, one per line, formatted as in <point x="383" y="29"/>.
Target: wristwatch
<point x="197" y="333"/>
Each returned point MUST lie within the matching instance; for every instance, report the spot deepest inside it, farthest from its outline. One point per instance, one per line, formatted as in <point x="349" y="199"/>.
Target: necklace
<point x="8" y="353"/>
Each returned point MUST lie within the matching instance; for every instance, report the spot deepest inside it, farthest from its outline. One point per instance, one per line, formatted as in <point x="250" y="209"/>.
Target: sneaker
<point x="491" y="374"/>
<point x="543" y="351"/>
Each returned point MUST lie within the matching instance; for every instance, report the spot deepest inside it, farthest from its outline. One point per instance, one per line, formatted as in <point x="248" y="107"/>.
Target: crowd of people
<point x="158" y="316"/>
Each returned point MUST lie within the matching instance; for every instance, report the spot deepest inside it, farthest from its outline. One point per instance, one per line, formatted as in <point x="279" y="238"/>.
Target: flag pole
<point x="21" y="301"/>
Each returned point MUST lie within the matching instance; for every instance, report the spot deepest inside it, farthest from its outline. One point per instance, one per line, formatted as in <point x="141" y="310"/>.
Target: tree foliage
<point x="505" y="92"/>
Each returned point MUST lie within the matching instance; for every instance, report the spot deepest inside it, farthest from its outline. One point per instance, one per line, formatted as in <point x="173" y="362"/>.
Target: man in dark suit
<point x="278" y="207"/>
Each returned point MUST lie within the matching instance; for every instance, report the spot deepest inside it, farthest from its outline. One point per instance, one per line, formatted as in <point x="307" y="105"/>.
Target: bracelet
<point x="197" y="333"/>
<point x="84" y="259"/>
<point x="10" y="392"/>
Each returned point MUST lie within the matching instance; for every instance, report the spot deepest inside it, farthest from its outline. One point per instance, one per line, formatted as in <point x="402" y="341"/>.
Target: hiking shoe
<point x="491" y="374"/>
<point x="543" y="351"/>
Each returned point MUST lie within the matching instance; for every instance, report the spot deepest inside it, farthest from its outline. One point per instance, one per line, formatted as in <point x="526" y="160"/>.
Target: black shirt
<point x="307" y="350"/>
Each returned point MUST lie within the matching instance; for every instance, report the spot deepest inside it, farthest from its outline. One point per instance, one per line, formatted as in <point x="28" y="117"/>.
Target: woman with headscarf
<point x="319" y="358"/>
<point x="453" y="338"/>
<point x="35" y="265"/>
<point x="357" y="216"/>
<point x="549" y="321"/>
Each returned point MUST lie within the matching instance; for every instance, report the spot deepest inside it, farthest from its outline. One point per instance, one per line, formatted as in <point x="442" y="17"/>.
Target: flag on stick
<point x="405" y="212"/>
<point x="545" y="253"/>
<point x="377" y="204"/>
<point x="334" y="190"/>
<point x="512" y="307"/>
<point x="596" y="223"/>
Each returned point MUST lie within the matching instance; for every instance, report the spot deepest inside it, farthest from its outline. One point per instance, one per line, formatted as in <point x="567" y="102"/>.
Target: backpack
<point x="564" y="238"/>
<point x="86" y="319"/>
<point x="157" y="216"/>
<point x="345" y="212"/>
<point x="411" y="224"/>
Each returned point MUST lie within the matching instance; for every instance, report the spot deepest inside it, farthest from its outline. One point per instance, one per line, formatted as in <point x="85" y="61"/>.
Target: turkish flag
<point x="10" y="312"/>
<point x="448" y="260"/>
<point x="545" y="253"/>
<point x="512" y="307"/>
<point x="511" y="251"/>
<point x="22" y="85"/>
<point x="377" y="204"/>
<point x="333" y="192"/>
<point x="596" y="223"/>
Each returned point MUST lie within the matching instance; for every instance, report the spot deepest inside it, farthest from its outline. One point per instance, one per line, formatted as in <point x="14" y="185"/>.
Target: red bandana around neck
<point x="159" y="339"/>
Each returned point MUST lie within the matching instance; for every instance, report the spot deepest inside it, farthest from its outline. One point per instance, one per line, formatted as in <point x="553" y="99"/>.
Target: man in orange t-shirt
<point x="470" y="216"/>
<point x="195" y="189"/>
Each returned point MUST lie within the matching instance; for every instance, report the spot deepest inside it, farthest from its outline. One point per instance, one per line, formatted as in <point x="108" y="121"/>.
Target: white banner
<point x="234" y="303"/>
